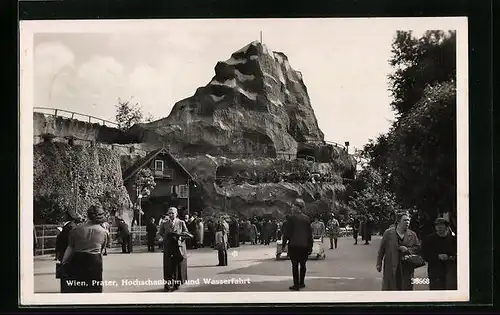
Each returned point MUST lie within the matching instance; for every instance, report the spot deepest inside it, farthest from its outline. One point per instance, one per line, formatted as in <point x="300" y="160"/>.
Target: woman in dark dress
<point x="82" y="261"/>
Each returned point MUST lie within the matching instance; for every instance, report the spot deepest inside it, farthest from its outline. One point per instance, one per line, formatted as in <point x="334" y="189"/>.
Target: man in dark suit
<point x="62" y="238"/>
<point x="62" y="241"/>
<point x="151" y="230"/>
<point x="125" y="236"/>
<point x="298" y="235"/>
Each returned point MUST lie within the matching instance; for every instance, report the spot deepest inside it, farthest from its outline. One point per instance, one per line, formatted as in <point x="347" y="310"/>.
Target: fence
<point x="335" y="144"/>
<point x="46" y="238"/>
<point x="57" y="113"/>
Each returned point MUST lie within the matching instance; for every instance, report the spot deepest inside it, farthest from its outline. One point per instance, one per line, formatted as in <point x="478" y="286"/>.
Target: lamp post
<point x="188" y="189"/>
<point x="139" y="198"/>
<point x="189" y="181"/>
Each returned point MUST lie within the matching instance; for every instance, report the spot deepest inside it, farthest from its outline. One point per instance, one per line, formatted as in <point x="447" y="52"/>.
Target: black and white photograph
<point x="244" y="161"/>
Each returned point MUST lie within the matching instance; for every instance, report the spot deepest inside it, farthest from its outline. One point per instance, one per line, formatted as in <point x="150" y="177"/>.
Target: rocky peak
<point x="255" y="104"/>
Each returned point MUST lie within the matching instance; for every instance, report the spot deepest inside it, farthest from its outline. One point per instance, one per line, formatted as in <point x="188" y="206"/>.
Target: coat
<point x="434" y="245"/>
<point x="332" y="228"/>
<point x="123" y="229"/>
<point x="390" y="255"/>
<point x="62" y="239"/>
<point x="354" y="223"/>
<point x="253" y="232"/>
<point x="200" y="231"/>
<point x="221" y="237"/>
<point x="298" y="233"/>
<point x="266" y="231"/>
<point x="365" y="229"/>
<point x="318" y="229"/>
<point x="151" y="230"/>
<point x="173" y="270"/>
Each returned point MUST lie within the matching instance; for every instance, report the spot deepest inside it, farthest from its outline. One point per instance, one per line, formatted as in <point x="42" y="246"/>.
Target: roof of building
<point x="143" y="162"/>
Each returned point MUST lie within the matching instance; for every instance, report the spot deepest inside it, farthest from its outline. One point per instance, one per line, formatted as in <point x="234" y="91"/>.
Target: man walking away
<point x="151" y="230"/>
<point x="125" y="236"/>
<point x="299" y="237"/>
<point x="439" y="249"/>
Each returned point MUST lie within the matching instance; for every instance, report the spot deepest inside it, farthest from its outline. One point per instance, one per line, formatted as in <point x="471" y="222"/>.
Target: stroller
<point x="318" y="252"/>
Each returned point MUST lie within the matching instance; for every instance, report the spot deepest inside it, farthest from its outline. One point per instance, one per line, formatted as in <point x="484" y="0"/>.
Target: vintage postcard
<point x="244" y="161"/>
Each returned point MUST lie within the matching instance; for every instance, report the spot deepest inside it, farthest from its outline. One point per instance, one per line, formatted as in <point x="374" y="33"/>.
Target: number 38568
<point x="420" y="281"/>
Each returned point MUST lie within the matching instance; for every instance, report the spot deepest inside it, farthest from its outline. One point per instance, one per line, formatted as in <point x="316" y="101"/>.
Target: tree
<point x="145" y="182"/>
<point x="127" y="114"/>
<point x="417" y="157"/>
<point x="420" y="62"/>
<point x="371" y="197"/>
<point x="423" y="152"/>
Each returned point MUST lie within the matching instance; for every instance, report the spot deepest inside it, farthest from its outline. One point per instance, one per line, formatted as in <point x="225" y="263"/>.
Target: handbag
<point x="414" y="261"/>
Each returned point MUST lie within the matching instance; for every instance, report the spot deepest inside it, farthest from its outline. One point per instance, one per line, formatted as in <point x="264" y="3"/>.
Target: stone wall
<point x="66" y="127"/>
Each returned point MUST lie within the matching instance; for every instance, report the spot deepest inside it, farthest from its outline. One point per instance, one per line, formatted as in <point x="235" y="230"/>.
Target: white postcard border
<point x="28" y="297"/>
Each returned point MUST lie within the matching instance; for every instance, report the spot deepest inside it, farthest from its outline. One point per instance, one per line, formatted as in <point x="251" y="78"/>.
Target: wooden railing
<point x="335" y="144"/>
<point x="46" y="237"/>
<point x="57" y="112"/>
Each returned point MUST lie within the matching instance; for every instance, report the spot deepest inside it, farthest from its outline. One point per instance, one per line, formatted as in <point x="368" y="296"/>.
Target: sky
<point x="344" y="63"/>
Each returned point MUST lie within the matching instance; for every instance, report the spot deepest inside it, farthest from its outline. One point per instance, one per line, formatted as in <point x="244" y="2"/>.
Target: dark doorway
<point x="154" y="207"/>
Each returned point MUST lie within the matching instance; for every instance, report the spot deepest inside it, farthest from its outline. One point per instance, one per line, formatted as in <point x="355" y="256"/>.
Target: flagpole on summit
<point x="261" y="37"/>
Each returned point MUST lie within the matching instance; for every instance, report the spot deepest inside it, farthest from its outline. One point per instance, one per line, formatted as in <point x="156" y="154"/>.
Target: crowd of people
<point x="80" y="246"/>
<point x="240" y="231"/>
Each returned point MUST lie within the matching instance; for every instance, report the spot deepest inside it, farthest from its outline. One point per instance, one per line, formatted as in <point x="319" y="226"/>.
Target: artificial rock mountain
<point x="256" y="104"/>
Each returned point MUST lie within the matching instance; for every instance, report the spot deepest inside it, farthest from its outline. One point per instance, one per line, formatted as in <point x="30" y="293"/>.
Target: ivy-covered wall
<point x="71" y="178"/>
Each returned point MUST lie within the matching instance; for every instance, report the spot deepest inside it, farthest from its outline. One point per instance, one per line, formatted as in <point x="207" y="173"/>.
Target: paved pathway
<point x="251" y="268"/>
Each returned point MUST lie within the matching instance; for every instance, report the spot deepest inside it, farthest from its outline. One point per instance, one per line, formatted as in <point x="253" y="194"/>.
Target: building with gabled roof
<point x="175" y="186"/>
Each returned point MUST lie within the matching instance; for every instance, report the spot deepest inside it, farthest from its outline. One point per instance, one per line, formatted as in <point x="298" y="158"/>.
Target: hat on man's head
<point x="441" y="221"/>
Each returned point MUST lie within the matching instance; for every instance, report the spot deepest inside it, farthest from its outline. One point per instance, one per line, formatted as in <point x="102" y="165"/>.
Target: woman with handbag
<point x="175" y="233"/>
<point x="399" y="251"/>
<point x="82" y="261"/>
